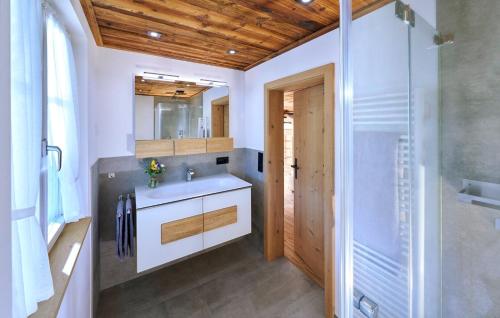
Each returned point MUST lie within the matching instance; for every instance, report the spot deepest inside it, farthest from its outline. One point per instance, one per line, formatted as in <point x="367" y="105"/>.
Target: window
<point x="45" y="191"/>
<point x="62" y="201"/>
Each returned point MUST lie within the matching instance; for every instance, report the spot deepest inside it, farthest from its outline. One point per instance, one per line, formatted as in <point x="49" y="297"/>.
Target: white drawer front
<point x="150" y="251"/>
<point x="240" y="198"/>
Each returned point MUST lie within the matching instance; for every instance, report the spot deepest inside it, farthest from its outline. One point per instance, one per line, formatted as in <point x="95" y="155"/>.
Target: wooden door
<point x="217" y="120"/>
<point x="220" y="117"/>
<point x="308" y="185"/>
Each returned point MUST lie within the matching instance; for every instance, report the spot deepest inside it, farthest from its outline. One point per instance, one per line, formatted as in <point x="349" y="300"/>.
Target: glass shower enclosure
<point x="390" y="215"/>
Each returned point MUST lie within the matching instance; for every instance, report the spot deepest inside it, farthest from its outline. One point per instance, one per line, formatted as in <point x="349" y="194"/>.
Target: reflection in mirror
<point x="179" y="109"/>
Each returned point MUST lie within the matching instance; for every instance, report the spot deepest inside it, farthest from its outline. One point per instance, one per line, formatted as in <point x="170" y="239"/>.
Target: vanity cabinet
<point x="172" y="231"/>
<point x="150" y="222"/>
<point x="221" y="227"/>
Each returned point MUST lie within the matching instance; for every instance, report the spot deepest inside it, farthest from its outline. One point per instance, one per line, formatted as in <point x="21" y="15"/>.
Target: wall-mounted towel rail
<point x="480" y="193"/>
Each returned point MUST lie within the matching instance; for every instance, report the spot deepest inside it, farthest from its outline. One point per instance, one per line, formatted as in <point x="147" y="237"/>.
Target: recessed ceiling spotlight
<point x="232" y="51"/>
<point x="154" y="34"/>
<point x="305" y="1"/>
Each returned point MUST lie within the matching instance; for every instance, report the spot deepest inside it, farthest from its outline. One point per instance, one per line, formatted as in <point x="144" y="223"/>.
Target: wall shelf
<point x="480" y="193"/>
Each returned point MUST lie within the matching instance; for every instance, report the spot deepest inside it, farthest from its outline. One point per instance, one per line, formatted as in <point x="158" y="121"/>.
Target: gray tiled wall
<point x="470" y="81"/>
<point x="128" y="172"/>
<point x="94" y="177"/>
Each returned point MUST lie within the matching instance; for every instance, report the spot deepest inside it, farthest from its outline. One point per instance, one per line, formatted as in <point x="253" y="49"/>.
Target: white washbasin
<point x="181" y="190"/>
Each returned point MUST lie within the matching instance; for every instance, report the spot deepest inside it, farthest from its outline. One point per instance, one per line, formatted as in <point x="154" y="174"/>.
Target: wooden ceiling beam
<point x="161" y="13"/>
<point x="88" y="9"/>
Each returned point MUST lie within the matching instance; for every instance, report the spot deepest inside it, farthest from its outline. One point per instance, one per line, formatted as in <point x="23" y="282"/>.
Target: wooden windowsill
<point x="63" y="257"/>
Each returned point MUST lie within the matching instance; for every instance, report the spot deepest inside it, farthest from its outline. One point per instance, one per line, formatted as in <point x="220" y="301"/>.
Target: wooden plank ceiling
<point x="204" y="31"/>
<point x="177" y="89"/>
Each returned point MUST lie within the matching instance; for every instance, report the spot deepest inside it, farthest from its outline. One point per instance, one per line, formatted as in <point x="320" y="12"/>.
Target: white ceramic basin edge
<point x="169" y="192"/>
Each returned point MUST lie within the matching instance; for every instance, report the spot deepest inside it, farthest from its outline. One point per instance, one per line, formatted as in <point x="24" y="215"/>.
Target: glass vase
<point x="153" y="182"/>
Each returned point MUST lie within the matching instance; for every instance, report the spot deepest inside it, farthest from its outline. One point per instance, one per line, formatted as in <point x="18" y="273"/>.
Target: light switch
<point x="497" y="224"/>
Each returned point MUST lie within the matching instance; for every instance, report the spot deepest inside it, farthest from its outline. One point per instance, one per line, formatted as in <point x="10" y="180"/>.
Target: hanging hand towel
<point x="130" y="221"/>
<point x="119" y="228"/>
<point x="125" y="234"/>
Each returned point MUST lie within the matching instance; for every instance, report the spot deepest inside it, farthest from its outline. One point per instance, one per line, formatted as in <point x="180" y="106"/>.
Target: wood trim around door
<point x="274" y="175"/>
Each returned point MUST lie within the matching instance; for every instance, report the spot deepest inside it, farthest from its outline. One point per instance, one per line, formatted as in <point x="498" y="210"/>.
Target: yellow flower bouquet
<point x="154" y="169"/>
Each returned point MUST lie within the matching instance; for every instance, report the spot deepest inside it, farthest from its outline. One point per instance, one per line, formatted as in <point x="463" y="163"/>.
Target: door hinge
<point x="364" y="304"/>
<point x="444" y="39"/>
<point x="405" y="13"/>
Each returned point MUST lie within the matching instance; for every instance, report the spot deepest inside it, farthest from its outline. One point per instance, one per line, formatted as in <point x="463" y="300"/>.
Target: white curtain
<point x="62" y="113"/>
<point x="32" y="280"/>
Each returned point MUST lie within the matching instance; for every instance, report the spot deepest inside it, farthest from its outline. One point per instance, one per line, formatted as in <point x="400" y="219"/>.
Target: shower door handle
<point x="295" y="167"/>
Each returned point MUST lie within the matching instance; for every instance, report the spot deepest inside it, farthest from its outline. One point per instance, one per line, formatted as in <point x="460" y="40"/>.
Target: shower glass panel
<point x="426" y="208"/>
<point x="381" y="162"/>
<point x="394" y="173"/>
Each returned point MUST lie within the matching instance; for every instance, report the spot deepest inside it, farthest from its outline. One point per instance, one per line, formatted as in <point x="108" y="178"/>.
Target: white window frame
<point x="51" y="231"/>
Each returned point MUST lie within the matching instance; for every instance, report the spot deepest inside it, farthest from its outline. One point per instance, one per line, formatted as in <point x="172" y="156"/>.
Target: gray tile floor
<point x="231" y="281"/>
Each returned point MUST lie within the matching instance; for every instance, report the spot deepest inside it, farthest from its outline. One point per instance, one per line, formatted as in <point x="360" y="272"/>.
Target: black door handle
<point x="295" y="167"/>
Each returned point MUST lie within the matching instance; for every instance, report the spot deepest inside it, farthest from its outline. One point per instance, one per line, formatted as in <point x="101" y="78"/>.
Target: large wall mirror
<point x="180" y="110"/>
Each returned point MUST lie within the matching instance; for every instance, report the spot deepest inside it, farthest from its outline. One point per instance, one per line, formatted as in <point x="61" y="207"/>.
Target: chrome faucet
<point x="189" y="174"/>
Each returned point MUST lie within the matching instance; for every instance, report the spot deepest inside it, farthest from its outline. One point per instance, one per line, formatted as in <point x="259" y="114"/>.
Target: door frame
<point x="274" y="174"/>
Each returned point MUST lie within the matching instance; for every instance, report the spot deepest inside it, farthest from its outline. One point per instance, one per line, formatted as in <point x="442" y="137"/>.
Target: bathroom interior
<point x="235" y="158"/>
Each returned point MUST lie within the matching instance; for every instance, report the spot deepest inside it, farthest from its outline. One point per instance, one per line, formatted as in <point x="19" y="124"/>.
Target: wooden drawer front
<point x="177" y="230"/>
<point x="221" y="144"/>
<point x="219" y="218"/>
<point x="218" y="202"/>
<point x="150" y="250"/>
<point x="154" y="148"/>
<point x="190" y="146"/>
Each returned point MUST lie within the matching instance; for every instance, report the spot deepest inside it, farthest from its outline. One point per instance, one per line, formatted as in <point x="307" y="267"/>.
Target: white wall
<point x="144" y="117"/>
<point x="113" y="96"/>
<point x="425" y="8"/>
<point x="318" y="52"/>
<point x="5" y="207"/>
<point x="76" y="302"/>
